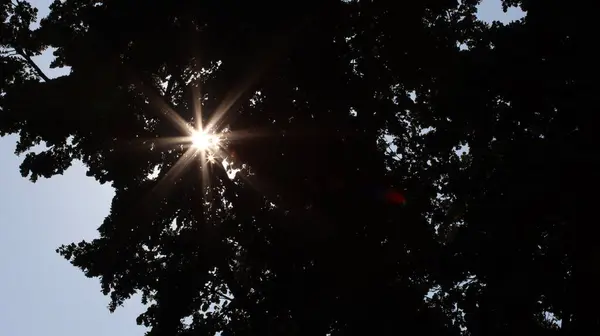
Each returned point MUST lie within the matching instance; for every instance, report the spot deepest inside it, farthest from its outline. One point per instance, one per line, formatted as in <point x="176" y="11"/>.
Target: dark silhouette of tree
<point x="335" y="203"/>
<point x="519" y="99"/>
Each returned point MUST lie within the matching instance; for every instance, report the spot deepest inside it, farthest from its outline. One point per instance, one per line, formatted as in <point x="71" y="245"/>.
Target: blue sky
<point x="41" y="293"/>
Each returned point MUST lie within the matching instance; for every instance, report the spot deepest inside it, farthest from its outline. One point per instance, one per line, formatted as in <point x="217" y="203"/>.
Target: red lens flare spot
<point x="395" y="197"/>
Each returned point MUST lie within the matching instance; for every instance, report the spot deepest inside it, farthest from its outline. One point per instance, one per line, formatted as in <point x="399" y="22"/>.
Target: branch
<point x="237" y="290"/>
<point x="224" y="296"/>
<point x="221" y="294"/>
<point x="32" y="64"/>
<point x="8" y="52"/>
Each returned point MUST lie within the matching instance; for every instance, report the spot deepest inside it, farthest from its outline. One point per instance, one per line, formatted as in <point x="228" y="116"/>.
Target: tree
<point x="303" y="219"/>
<point x="524" y="199"/>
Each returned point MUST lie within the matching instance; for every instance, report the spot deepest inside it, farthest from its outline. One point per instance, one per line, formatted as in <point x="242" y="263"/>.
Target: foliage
<point x="314" y="102"/>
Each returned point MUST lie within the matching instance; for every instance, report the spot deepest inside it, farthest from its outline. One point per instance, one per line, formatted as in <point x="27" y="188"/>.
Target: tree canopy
<point x="376" y="167"/>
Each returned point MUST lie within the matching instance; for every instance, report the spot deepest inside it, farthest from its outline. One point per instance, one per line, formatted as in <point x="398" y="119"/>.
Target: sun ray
<point x="231" y="99"/>
<point x="175" y="170"/>
<point x="176" y="120"/>
<point x="163" y="107"/>
<point x="246" y="134"/>
<point x="203" y="139"/>
<point x="197" y="104"/>
<point x="205" y="179"/>
<point x="170" y="142"/>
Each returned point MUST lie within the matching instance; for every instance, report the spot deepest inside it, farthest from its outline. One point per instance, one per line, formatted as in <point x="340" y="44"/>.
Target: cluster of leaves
<point x="498" y="240"/>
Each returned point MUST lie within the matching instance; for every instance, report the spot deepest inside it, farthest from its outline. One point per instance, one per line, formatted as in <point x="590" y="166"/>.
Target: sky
<point x="40" y="292"/>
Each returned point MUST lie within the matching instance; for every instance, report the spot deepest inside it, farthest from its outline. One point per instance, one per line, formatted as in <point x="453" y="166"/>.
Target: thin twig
<point x="32" y="64"/>
<point x="224" y="296"/>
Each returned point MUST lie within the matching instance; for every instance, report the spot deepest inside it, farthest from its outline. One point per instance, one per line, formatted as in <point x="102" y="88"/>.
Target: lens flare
<point x="205" y="141"/>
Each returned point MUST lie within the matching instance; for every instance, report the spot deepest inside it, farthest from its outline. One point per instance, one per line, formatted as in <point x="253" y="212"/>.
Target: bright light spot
<point x="204" y="140"/>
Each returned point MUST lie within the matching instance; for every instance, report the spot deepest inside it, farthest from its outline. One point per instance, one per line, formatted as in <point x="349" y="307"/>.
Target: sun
<point x="204" y="140"/>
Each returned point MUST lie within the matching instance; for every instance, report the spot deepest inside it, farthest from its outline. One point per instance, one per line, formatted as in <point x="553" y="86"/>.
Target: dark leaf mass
<point x="386" y="167"/>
